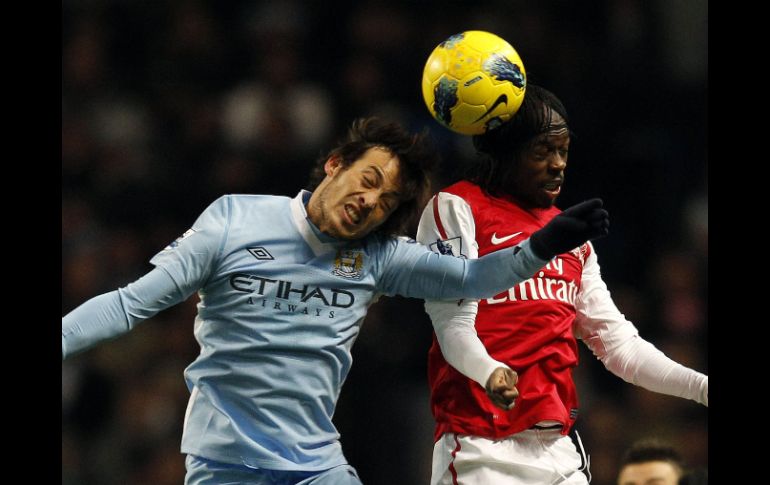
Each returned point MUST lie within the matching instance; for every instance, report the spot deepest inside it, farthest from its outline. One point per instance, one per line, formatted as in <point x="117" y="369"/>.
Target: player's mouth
<point x="352" y="214"/>
<point x="553" y="188"/>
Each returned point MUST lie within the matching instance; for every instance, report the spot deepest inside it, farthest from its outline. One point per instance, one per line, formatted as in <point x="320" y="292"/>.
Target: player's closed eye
<point x="387" y="205"/>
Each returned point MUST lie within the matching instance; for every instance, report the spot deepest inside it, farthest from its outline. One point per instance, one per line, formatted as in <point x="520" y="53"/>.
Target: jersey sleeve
<point x="115" y="313"/>
<point x="616" y="343"/>
<point x="413" y="270"/>
<point x="191" y="258"/>
<point x="447" y="226"/>
<point x="180" y="269"/>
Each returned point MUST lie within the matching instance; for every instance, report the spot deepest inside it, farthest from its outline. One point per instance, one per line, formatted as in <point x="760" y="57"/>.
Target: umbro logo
<point x="496" y="240"/>
<point x="260" y="253"/>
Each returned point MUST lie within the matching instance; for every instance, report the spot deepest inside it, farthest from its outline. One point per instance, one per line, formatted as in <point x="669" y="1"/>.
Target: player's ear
<point x="332" y="166"/>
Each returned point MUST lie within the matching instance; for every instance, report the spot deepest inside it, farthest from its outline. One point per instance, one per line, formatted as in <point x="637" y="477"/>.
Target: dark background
<point x="167" y="105"/>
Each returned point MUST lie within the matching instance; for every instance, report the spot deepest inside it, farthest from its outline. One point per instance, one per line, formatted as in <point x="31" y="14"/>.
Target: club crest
<point x="349" y="263"/>
<point x="580" y="252"/>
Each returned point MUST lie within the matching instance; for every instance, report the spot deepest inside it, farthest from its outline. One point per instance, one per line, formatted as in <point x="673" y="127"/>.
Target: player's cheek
<point x="379" y="216"/>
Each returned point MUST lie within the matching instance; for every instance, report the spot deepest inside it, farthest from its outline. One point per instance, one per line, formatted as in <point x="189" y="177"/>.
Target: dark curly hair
<point x="500" y="149"/>
<point x="417" y="159"/>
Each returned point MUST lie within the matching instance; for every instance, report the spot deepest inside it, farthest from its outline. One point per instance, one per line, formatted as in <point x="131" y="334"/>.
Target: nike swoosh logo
<point x="501" y="240"/>
<point x="502" y="99"/>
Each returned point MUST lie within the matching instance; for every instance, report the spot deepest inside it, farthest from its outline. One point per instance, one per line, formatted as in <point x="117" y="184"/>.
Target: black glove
<point x="570" y="229"/>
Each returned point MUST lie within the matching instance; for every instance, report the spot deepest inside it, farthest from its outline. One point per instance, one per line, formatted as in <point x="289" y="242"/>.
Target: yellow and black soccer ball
<point x="473" y="82"/>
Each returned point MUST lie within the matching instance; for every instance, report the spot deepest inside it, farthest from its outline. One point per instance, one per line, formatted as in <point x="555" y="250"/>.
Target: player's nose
<point x="557" y="163"/>
<point x="367" y="202"/>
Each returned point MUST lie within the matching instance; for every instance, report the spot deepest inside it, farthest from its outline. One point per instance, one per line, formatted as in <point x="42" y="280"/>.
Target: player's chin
<point x="364" y="228"/>
<point x="346" y="231"/>
<point x="546" y="199"/>
<point x="339" y="231"/>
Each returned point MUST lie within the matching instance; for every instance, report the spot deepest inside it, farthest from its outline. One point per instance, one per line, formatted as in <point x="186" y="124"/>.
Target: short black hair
<point x="501" y="148"/>
<point x="417" y="159"/>
<point x="651" y="449"/>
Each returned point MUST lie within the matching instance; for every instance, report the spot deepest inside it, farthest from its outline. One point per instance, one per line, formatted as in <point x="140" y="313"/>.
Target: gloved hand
<point x="570" y="229"/>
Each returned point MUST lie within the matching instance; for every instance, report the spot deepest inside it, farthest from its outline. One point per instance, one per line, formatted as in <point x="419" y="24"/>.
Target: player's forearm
<point x="459" y="342"/>
<point x="498" y="271"/>
<point x="112" y="314"/>
<point x="639" y="362"/>
<point x="100" y="318"/>
<point x="474" y="278"/>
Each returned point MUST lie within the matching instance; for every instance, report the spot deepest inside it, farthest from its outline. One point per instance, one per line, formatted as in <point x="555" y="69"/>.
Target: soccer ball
<point x="473" y="82"/>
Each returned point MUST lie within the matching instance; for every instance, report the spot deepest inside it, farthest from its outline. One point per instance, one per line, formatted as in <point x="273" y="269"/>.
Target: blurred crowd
<point x="166" y="105"/>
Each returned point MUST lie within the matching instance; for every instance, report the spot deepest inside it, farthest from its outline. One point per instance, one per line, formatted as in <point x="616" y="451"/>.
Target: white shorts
<point x="532" y="457"/>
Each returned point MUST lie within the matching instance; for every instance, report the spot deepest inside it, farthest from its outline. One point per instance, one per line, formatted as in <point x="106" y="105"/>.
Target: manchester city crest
<point x="349" y="263"/>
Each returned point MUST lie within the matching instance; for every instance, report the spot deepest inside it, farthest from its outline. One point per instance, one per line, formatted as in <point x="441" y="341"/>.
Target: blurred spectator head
<point x="650" y="461"/>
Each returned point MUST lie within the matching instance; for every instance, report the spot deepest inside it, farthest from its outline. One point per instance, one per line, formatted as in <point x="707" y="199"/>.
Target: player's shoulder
<point x="463" y="194"/>
<point x="379" y="238"/>
<point x="464" y="189"/>
<point x="379" y="243"/>
<point x="256" y="198"/>
<point x="236" y="207"/>
<point x="250" y="201"/>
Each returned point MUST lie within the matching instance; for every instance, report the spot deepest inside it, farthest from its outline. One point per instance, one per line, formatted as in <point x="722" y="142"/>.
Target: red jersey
<point x="529" y="327"/>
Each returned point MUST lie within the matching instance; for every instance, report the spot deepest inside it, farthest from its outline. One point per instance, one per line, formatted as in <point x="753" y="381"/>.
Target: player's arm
<point x="447" y="226"/>
<point x="181" y="268"/>
<point x="115" y="313"/>
<point x="411" y="270"/>
<point x="616" y="342"/>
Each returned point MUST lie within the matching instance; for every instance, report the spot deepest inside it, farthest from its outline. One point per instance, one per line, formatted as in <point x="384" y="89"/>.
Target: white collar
<point x="301" y="222"/>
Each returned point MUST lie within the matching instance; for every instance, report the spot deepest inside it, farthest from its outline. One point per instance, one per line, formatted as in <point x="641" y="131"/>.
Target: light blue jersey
<point x="281" y="306"/>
